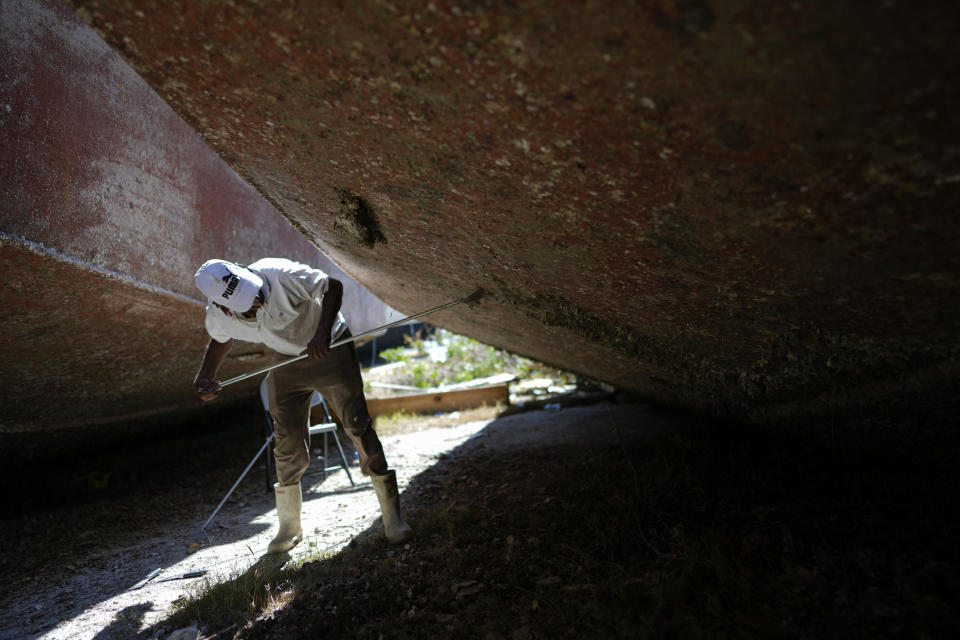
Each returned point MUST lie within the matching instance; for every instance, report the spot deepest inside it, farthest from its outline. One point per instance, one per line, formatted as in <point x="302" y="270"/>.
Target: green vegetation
<point x="263" y="587"/>
<point x="466" y="359"/>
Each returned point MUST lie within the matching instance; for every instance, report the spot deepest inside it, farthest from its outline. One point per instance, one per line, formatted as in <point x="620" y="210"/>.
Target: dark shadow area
<point x="72" y="446"/>
<point x="699" y="532"/>
<point x="112" y="469"/>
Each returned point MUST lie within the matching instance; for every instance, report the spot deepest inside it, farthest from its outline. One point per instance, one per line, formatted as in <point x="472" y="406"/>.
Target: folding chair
<point x="326" y="426"/>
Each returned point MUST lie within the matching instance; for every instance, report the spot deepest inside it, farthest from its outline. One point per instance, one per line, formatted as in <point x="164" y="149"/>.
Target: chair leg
<point x="270" y="460"/>
<point x="243" y="474"/>
<point x="324" y="455"/>
<point x="343" y="459"/>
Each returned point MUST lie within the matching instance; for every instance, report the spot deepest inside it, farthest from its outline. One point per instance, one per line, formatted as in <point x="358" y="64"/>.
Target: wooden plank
<point x="500" y="378"/>
<point x="440" y="401"/>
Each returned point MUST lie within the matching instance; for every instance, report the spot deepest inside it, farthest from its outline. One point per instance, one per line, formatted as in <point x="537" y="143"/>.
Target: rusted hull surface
<point x="110" y="201"/>
<point x="748" y="208"/>
<point x="97" y="350"/>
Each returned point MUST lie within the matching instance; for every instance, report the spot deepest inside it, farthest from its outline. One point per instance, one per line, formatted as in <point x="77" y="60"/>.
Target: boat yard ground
<point x="612" y="520"/>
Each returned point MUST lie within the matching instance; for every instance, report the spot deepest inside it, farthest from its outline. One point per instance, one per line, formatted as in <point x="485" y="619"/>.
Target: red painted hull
<point x="744" y="208"/>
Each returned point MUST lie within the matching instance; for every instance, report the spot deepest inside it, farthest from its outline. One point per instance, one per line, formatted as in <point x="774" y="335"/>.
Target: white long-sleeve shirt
<point x="288" y="319"/>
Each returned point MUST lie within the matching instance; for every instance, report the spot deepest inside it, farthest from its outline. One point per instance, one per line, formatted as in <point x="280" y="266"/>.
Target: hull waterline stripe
<point x="63" y="257"/>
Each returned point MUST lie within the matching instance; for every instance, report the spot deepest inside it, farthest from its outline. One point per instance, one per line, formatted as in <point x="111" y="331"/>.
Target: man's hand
<point x="207" y="388"/>
<point x="206" y="382"/>
<point x="319" y="346"/>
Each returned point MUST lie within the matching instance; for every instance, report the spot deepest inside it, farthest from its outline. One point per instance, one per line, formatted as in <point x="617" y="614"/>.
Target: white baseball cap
<point x="228" y="284"/>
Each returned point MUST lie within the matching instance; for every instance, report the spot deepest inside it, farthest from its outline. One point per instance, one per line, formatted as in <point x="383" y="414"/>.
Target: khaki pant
<point x="337" y="377"/>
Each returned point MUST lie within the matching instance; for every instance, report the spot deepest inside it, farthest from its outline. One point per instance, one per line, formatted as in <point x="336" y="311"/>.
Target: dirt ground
<point x="606" y="520"/>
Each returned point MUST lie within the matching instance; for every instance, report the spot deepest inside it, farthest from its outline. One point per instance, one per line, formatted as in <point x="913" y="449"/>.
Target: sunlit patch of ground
<point x="400" y="422"/>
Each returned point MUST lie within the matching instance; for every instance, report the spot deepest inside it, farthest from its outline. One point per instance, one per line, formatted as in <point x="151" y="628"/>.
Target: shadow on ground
<point x="638" y="532"/>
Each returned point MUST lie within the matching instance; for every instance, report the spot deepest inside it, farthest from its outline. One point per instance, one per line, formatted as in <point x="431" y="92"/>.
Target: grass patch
<point x="244" y="595"/>
<point x="394" y="420"/>
<point x="403" y="422"/>
<point x="264" y="587"/>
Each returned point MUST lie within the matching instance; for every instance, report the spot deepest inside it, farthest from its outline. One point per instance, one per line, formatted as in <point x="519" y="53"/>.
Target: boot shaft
<point x="385" y="486"/>
<point x="289" y="501"/>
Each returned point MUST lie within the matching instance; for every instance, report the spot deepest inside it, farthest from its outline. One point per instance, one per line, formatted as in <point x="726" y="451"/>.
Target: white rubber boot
<point x="288" y="512"/>
<point x="393" y="524"/>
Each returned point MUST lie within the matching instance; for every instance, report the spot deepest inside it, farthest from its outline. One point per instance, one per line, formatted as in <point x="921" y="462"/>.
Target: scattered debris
<point x="150" y="576"/>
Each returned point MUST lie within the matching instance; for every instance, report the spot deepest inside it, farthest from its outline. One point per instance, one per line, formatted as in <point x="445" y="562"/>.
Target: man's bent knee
<point x="291" y="468"/>
<point x="292" y="459"/>
<point x="356" y="418"/>
<point x="372" y="459"/>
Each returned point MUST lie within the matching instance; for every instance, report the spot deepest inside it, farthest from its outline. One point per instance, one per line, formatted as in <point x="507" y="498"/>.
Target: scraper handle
<point x="471" y="299"/>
